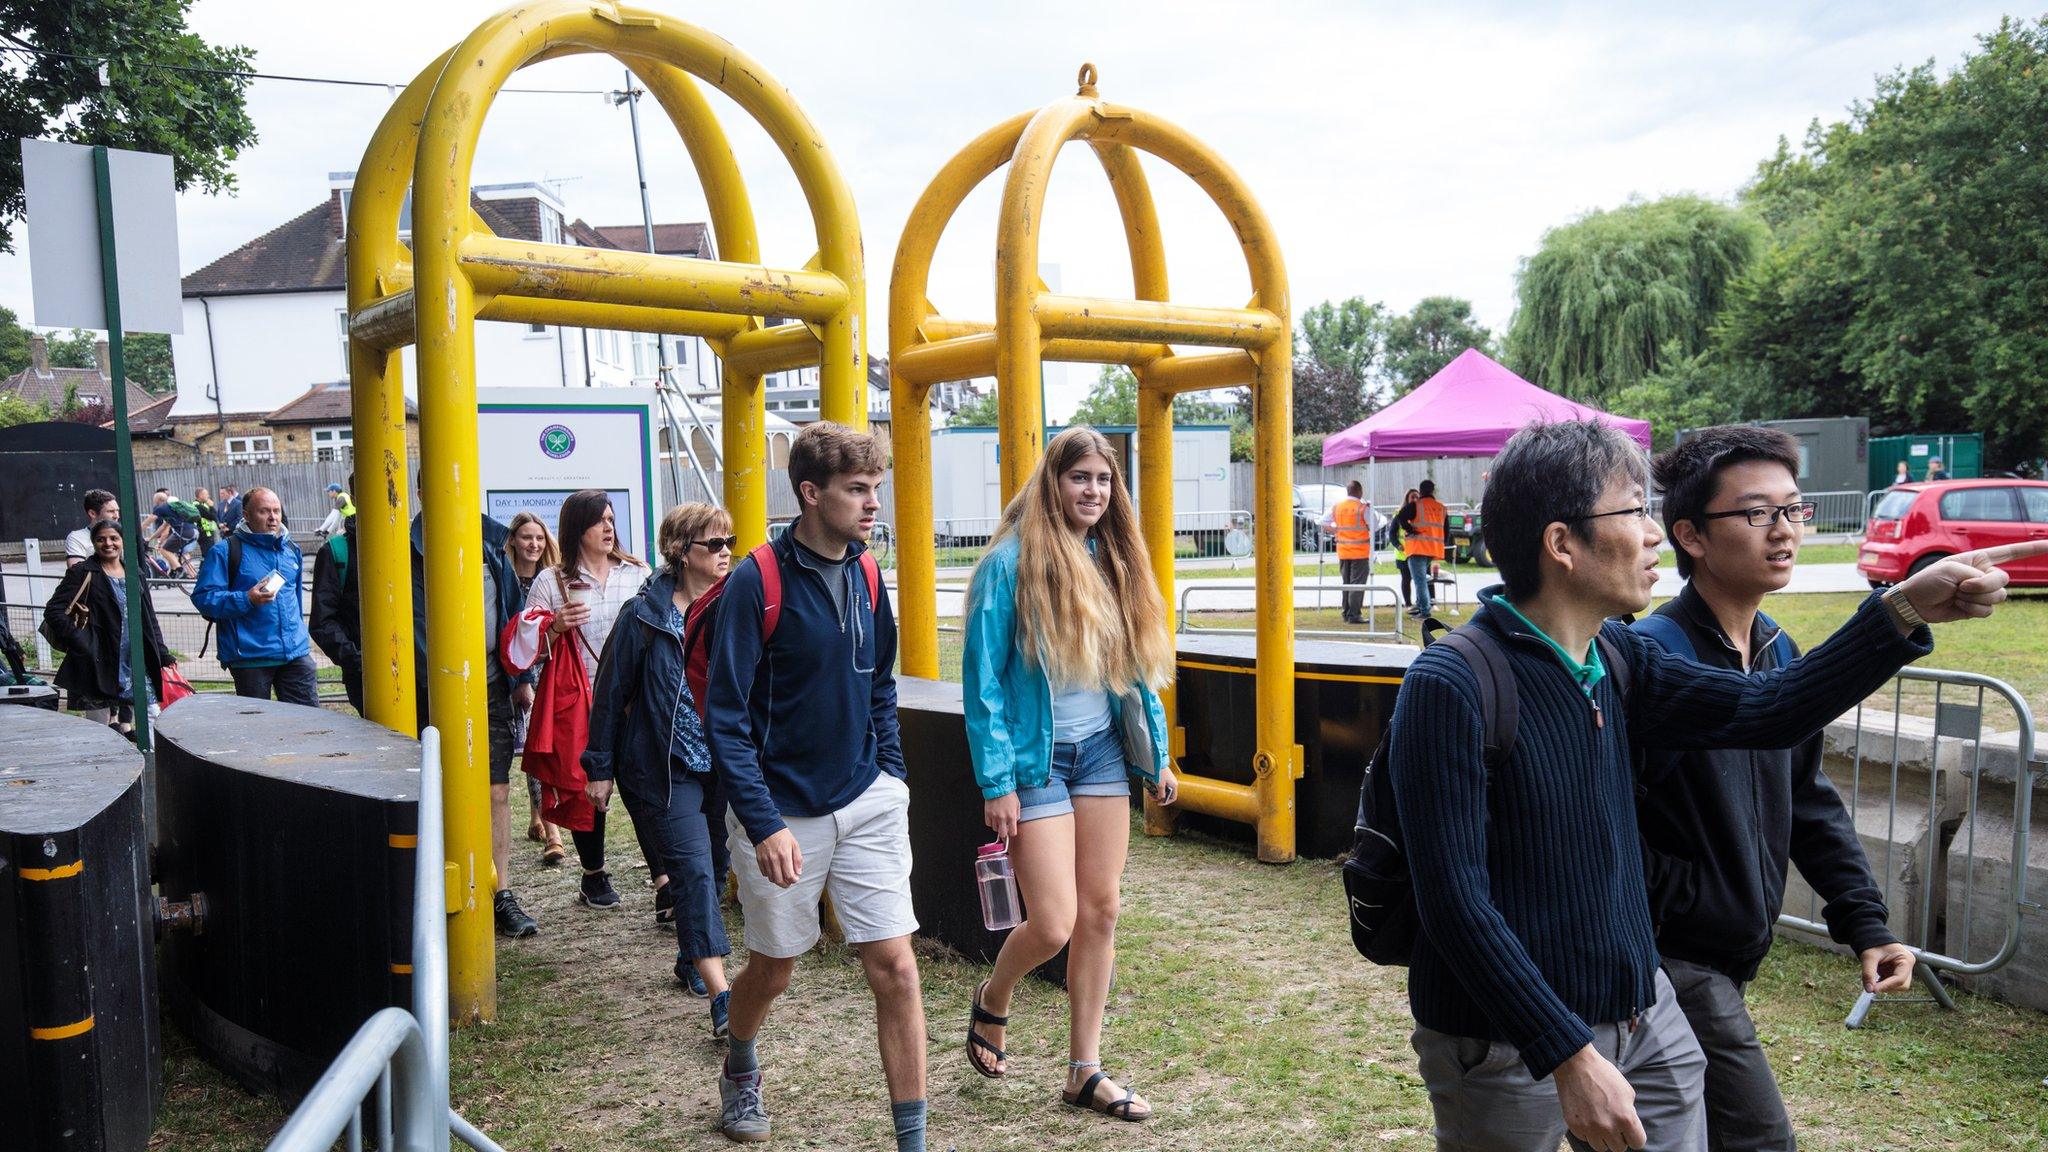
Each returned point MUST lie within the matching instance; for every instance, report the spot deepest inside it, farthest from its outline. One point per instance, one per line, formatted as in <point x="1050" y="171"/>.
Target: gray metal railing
<point x="1955" y="885"/>
<point x="400" y="1056"/>
<point x="1184" y="617"/>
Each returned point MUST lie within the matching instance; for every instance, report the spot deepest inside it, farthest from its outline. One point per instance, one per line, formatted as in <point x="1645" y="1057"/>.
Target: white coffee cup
<point x="576" y="592"/>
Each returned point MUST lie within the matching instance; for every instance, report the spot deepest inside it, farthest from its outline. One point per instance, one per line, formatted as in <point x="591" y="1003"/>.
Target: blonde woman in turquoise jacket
<point x="1066" y="633"/>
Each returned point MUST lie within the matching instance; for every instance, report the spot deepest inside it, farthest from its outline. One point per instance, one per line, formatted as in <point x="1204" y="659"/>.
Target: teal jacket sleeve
<point x="989" y="625"/>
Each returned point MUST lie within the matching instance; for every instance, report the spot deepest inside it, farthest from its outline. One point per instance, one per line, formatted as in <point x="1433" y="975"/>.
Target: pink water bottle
<point x="998" y="886"/>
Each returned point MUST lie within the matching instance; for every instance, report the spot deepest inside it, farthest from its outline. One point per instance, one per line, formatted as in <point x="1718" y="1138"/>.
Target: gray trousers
<point x="1745" y="1113"/>
<point x="1354" y="572"/>
<point x="1485" y="1100"/>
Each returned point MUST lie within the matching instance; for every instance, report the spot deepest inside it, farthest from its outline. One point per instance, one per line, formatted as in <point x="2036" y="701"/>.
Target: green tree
<point x="150" y="105"/>
<point x="1905" y="283"/>
<point x="1336" y="348"/>
<point x="14" y="410"/>
<point x="1608" y="297"/>
<point x="1689" y="392"/>
<point x="1436" y="332"/>
<point x="13" y="344"/>
<point x="76" y="349"/>
<point x="147" y="357"/>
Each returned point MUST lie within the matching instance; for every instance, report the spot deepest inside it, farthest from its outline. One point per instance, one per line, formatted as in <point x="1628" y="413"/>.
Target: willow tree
<point x="1617" y="295"/>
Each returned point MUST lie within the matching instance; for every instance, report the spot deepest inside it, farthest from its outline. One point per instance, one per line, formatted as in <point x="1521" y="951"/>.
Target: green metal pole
<point x="124" y="453"/>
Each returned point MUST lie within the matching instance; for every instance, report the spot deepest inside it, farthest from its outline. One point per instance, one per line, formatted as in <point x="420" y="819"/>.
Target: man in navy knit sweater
<point x="1721" y="826"/>
<point x="1539" y="1006"/>
<point x="803" y="736"/>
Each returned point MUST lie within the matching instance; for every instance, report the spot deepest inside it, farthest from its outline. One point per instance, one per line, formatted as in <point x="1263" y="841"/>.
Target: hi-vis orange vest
<point x="1354" y="533"/>
<point x="1428" y="537"/>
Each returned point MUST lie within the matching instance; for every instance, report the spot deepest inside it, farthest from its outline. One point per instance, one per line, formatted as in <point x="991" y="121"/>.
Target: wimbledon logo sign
<point x="556" y="441"/>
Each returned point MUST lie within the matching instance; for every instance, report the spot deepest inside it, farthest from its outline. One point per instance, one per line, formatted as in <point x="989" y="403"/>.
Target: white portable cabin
<point x="967" y="482"/>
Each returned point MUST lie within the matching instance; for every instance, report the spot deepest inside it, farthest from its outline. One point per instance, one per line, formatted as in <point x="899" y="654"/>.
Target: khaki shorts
<point x="859" y="856"/>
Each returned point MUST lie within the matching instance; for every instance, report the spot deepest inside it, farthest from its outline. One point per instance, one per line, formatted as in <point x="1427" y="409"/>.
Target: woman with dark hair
<point x="87" y="617"/>
<point x="647" y="735"/>
<point x="531" y="549"/>
<point x="1401" y="546"/>
<point x="1067" y="644"/>
<point x="586" y="592"/>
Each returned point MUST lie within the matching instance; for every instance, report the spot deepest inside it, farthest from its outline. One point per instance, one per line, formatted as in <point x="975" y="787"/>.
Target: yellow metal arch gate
<point x="1033" y="325"/>
<point x="457" y="272"/>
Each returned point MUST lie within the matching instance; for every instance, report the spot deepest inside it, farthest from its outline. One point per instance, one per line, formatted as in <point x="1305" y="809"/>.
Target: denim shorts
<point x="1093" y="767"/>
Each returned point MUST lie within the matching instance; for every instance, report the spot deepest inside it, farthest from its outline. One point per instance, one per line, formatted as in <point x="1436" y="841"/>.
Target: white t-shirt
<point x="1079" y="714"/>
<point x="78" y="545"/>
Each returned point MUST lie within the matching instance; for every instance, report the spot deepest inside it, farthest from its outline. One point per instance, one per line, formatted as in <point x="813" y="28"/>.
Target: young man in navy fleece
<point x="1720" y="826"/>
<point x="803" y="735"/>
<point x="1539" y="1005"/>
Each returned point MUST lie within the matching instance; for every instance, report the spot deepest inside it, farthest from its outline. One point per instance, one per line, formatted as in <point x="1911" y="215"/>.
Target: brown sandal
<point x="1120" y="1108"/>
<point x="976" y="1040"/>
<point x="553" y="855"/>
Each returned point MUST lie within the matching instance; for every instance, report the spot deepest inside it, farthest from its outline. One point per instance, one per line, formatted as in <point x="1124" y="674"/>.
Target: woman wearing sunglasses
<point x="645" y="734"/>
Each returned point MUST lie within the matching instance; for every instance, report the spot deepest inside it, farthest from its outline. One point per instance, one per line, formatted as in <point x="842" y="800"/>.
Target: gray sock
<point x="740" y="1057"/>
<point x="909" y="1116"/>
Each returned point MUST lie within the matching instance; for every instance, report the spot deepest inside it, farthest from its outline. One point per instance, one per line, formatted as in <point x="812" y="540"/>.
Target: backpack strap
<point x="1781" y="643"/>
<point x="871" y="569"/>
<point x="1669" y="634"/>
<point x="1499" y="703"/>
<point x="1618" y="667"/>
<point x="771" y="588"/>
<point x="337" y="546"/>
<point x="234" y="561"/>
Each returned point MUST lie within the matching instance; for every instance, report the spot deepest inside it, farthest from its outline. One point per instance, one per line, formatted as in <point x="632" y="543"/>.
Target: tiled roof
<point x="323" y="404"/>
<point x="669" y="239"/>
<point x="50" y="388"/>
<point x="152" y="418"/>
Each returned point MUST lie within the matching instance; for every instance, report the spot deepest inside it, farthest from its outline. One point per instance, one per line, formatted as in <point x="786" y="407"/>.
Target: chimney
<point x="39" y="355"/>
<point x="105" y="361"/>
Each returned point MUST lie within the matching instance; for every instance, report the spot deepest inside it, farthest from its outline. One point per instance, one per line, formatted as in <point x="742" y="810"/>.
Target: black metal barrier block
<point x="1343" y="698"/>
<point x="81" y="1058"/>
<point x="299" y="825"/>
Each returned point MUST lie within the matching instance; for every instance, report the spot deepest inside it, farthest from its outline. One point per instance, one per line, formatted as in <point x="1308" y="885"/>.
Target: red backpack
<point x="697" y="650"/>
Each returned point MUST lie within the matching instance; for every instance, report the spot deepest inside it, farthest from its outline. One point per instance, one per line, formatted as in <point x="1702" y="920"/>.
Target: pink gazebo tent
<point x="1468" y="409"/>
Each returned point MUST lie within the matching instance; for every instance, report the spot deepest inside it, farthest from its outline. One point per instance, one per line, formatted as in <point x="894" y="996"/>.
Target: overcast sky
<point x="1401" y="150"/>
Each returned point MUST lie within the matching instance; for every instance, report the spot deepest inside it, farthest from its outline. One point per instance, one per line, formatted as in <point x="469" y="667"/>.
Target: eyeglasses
<point x="718" y="543"/>
<point x="1641" y="512"/>
<point x="1765" y="515"/>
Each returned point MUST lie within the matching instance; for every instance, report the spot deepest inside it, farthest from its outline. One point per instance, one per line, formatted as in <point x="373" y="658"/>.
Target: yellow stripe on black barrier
<point x="400" y="840"/>
<point x="62" y="1031"/>
<point x="1298" y="675"/>
<point x="60" y="872"/>
<point x="401" y="969"/>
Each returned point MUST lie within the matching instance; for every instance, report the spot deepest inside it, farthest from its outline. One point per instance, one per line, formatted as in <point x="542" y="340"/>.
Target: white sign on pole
<point x="64" y="237"/>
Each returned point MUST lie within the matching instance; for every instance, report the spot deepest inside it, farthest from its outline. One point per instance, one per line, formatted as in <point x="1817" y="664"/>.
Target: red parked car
<point x="1914" y="525"/>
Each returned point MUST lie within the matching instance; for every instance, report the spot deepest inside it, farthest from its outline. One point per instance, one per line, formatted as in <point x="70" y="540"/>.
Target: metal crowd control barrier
<point x="400" y="1056"/>
<point x="1940" y="920"/>
<point x="431" y="290"/>
<point x="1247" y="345"/>
<point x="1183" y="621"/>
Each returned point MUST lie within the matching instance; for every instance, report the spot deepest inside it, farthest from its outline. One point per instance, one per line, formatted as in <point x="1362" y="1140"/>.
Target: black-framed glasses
<point x="1640" y="512"/>
<point x="718" y="543"/>
<point x="1765" y="515"/>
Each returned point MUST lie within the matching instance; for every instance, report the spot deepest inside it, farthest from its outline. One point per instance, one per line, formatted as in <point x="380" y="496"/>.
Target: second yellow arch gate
<point x="1033" y="325"/>
<point x="455" y="272"/>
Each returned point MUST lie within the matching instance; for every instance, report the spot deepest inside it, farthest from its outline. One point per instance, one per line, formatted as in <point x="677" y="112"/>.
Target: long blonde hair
<point x="1087" y="620"/>
<point x="549" y="555"/>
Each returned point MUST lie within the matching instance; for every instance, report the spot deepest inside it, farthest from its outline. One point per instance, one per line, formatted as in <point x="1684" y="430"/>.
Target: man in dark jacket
<point x="1719" y="826"/>
<point x="1537" y="959"/>
<point x="501" y="603"/>
<point x="337" y="618"/>
<point x="803" y="735"/>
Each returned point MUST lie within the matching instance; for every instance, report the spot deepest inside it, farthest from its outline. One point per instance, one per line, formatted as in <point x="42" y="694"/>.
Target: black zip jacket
<point x="1724" y="823"/>
<point x="337" y="618"/>
<point x="640" y="691"/>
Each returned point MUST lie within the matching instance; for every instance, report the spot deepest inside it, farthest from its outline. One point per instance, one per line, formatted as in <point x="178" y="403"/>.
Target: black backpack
<point x="1378" y="886"/>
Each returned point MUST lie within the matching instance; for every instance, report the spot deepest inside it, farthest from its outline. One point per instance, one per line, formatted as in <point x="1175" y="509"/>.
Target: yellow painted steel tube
<point x="1089" y="318"/>
<point x="624" y="317"/>
<point x="1201" y="372"/>
<point x="909" y="410"/>
<point x="497" y="266"/>
<point x="1221" y="798"/>
<point x="383" y="482"/>
<point x="763" y="350"/>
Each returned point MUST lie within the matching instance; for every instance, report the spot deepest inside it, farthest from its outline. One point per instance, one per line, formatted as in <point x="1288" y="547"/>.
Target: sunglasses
<point x="718" y="543"/>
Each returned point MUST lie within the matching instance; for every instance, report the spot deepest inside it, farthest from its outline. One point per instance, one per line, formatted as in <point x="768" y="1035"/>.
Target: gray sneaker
<point x="740" y="1115"/>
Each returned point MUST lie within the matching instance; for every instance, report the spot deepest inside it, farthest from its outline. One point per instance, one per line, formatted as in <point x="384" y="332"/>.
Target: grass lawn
<point x="1241" y="1012"/>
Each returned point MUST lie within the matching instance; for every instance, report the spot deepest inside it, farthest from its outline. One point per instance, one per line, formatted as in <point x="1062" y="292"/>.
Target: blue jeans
<point x="1094" y="766"/>
<point x="678" y="834"/>
<point x="1418" y="573"/>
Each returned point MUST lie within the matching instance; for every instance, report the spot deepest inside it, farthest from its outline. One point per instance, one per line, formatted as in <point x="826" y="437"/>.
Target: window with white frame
<point x="341" y="323"/>
<point x="334" y="443"/>
<point x="644" y="360"/>
<point x="550" y="227"/>
<point x="249" y="450"/>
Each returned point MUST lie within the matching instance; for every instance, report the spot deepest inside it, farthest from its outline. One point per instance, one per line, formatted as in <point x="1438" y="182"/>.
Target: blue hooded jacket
<point x="254" y="635"/>
<point x="1005" y="693"/>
